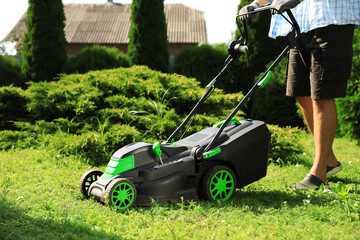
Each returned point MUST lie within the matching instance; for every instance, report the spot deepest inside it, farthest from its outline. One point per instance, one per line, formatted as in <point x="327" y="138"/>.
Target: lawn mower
<point x="210" y="164"/>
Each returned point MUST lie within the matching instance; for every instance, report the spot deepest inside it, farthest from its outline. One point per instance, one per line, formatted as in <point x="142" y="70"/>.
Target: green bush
<point x="67" y="99"/>
<point x="349" y="107"/>
<point x="119" y="135"/>
<point x="204" y="62"/>
<point x="136" y="88"/>
<point x="284" y="144"/>
<point x="271" y="103"/>
<point x="95" y="113"/>
<point x="10" y="72"/>
<point x="17" y="139"/>
<point x="96" y="58"/>
<point x="12" y="106"/>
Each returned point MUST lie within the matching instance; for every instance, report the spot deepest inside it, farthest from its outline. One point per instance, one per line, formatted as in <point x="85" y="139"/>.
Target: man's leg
<point x="325" y="122"/>
<point x="321" y="119"/>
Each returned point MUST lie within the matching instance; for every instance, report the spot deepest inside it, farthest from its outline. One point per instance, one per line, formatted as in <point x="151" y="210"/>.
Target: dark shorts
<point x="328" y="52"/>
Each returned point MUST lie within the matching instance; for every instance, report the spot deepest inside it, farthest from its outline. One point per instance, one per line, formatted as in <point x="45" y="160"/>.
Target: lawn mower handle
<point x="260" y="82"/>
<point x="236" y="48"/>
<point x="292" y="20"/>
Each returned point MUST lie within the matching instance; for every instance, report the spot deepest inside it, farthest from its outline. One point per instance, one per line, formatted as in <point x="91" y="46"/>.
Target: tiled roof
<point x="110" y="23"/>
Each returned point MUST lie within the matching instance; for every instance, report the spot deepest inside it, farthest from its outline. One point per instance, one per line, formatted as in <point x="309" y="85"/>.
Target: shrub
<point x="271" y="103"/>
<point x="68" y="99"/>
<point x="96" y="58"/>
<point x="10" y="72"/>
<point x="284" y="143"/>
<point x="136" y="88"/>
<point x="106" y="109"/>
<point x="204" y="63"/>
<point x="16" y="139"/>
<point x="120" y="135"/>
<point x="94" y="114"/>
<point x="12" y="106"/>
<point x="349" y="107"/>
<point x="91" y="146"/>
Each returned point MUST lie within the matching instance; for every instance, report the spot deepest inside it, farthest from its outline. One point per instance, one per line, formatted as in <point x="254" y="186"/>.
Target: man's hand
<point x="283" y="5"/>
<point x="247" y="9"/>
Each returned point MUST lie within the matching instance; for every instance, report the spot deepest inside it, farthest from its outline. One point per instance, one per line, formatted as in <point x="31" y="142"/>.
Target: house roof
<point x="110" y="24"/>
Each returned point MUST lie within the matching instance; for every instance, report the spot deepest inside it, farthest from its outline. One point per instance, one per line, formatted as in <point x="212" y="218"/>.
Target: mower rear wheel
<point x="87" y="179"/>
<point x="219" y="184"/>
<point x="120" y="194"/>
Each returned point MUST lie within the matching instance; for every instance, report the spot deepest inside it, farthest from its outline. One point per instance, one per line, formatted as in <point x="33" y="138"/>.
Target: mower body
<point x="178" y="175"/>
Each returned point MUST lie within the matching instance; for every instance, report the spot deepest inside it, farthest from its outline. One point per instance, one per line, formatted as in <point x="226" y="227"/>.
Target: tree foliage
<point x="148" y="35"/>
<point x="44" y="45"/>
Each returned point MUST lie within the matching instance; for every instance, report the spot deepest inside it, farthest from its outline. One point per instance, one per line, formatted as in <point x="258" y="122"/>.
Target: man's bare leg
<point x="321" y="119"/>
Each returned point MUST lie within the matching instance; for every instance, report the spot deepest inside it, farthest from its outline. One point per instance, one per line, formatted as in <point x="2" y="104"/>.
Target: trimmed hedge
<point x="96" y="58"/>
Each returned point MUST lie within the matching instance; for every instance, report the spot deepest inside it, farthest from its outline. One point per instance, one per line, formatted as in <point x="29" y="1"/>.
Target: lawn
<point x="39" y="199"/>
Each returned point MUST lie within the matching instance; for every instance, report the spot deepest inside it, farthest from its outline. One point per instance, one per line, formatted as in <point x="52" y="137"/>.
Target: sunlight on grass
<point x="39" y="199"/>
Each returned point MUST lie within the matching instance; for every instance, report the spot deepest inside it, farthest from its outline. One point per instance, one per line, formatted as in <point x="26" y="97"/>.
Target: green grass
<point x="39" y="199"/>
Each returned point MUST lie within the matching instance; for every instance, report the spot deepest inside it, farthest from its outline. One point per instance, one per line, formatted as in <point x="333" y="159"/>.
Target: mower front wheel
<point x="87" y="179"/>
<point x="219" y="184"/>
<point x="120" y="194"/>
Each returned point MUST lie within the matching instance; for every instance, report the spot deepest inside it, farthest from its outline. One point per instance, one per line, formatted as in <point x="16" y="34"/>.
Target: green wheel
<point x="219" y="184"/>
<point x="120" y="194"/>
<point x="87" y="179"/>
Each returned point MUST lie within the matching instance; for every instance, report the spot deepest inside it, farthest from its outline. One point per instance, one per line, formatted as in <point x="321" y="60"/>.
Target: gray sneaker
<point x="333" y="170"/>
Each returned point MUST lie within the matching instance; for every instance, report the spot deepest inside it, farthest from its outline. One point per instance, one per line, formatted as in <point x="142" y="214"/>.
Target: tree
<point x="148" y="35"/>
<point x="44" y="45"/>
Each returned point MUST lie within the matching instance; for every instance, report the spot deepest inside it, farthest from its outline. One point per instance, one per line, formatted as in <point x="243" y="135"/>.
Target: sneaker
<point x="333" y="170"/>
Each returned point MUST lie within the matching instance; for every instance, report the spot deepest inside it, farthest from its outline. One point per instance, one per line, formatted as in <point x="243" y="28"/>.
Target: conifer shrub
<point x="96" y="58"/>
<point x="284" y="143"/>
<point x="16" y="139"/>
<point x="94" y="114"/>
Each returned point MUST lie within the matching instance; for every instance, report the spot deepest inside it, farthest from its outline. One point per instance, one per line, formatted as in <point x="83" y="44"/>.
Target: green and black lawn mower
<point x="210" y="164"/>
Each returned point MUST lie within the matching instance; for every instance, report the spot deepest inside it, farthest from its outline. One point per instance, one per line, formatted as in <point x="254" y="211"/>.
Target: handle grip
<point x="292" y="20"/>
